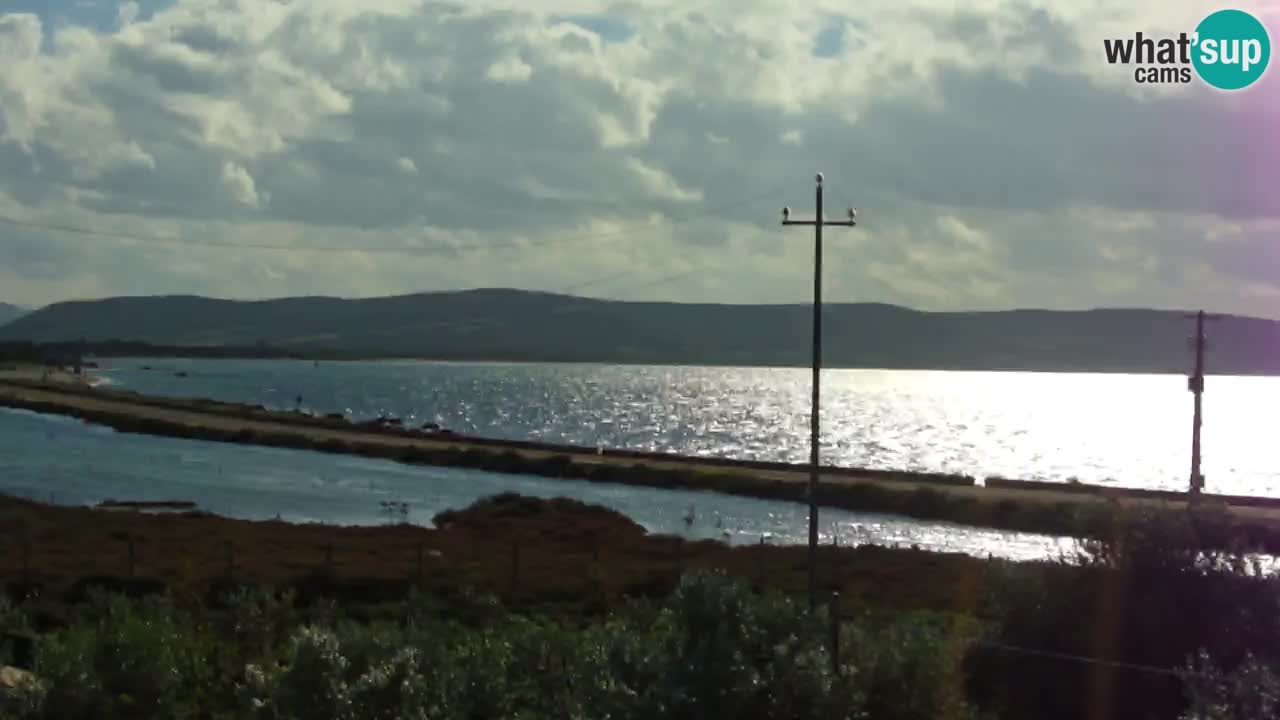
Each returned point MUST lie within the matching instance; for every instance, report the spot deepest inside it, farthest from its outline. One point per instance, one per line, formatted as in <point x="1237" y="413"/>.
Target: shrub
<point x="1153" y="592"/>
<point x="130" y="662"/>
<point x="1250" y="691"/>
<point x="710" y="649"/>
<point x="308" y="682"/>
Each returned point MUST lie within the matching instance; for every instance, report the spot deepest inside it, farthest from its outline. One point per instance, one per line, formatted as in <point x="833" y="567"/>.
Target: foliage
<point x="1156" y="590"/>
<point x="12" y="618"/>
<point x="911" y="669"/>
<point x="1249" y="692"/>
<point x="712" y="649"/>
<point x="1152" y="594"/>
<point x="127" y="661"/>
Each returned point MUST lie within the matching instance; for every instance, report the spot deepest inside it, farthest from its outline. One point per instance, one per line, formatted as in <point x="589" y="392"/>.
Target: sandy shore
<point x="1033" y="509"/>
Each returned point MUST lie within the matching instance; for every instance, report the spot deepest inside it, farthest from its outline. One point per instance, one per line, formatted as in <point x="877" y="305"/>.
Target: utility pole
<point x="1196" y="385"/>
<point x="818" y="222"/>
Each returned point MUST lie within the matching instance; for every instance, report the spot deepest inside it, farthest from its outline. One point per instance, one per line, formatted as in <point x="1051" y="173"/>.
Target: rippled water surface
<point x="60" y="459"/>
<point x="1131" y="430"/>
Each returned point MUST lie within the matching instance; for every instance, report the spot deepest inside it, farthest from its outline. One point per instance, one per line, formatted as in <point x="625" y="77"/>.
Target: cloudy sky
<point x="635" y="150"/>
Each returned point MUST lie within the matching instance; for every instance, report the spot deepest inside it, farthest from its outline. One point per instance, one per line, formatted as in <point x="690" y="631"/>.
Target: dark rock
<point x="559" y="517"/>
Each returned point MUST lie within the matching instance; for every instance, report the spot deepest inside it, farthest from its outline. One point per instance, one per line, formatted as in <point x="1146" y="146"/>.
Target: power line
<point x="597" y="281"/>
<point x="668" y="278"/>
<point x="1085" y="659"/>
<point x="173" y="240"/>
<point x="645" y="284"/>
<point x="570" y="309"/>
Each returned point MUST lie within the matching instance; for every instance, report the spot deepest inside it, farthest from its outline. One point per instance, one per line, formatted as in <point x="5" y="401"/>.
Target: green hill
<point x="535" y="326"/>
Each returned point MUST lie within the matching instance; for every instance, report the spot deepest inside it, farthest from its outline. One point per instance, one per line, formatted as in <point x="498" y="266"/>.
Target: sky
<point x="629" y="150"/>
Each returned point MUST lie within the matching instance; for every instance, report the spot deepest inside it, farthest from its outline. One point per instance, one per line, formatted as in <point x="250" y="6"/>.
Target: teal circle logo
<point x="1231" y="49"/>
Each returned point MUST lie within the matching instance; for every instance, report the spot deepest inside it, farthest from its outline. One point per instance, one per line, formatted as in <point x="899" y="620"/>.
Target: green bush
<point x="1249" y="692"/>
<point x="128" y="662"/>
<point x="1153" y="591"/>
<point x="711" y="649"/>
<point x="910" y="668"/>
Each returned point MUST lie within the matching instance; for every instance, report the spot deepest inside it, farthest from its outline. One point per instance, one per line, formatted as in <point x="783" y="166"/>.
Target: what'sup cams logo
<point x="1229" y="50"/>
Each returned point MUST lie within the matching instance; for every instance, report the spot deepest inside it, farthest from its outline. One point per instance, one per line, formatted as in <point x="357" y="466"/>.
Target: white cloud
<point x="660" y="184"/>
<point x="1002" y="162"/>
<point x="127" y="14"/>
<point x="239" y="183"/>
<point x="510" y="70"/>
<point x="966" y="236"/>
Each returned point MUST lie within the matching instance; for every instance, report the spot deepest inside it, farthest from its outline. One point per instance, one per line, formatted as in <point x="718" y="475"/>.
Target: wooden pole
<point x="595" y="578"/>
<point x="1196" y="386"/>
<point x="835" y="633"/>
<point x="818" y="222"/>
<point x="515" y="567"/>
<point x="133" y="564"/>
<point x="815" y="413"/>
<point x="760" y="564"/>
<point x="26" y="561"/>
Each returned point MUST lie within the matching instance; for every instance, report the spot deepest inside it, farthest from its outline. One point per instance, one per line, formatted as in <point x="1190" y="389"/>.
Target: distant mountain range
<point x="533" y="326"/>
<point x="11" y="312"/>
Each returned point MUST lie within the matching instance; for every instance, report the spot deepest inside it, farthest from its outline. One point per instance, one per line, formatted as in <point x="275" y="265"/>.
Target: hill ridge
<point x="509" y="324"/>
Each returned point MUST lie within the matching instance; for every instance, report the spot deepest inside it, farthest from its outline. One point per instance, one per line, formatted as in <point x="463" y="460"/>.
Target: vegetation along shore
<point x="522" y="607"/>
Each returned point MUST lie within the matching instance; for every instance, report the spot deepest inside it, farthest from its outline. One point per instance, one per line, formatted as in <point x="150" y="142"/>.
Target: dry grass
<point x="561" y="552"/>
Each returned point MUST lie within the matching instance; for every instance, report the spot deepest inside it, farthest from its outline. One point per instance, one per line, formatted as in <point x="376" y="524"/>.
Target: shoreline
<point x="1079" y="511"/>
<point x="481" y="360"/>
<point x="193" y="353"/>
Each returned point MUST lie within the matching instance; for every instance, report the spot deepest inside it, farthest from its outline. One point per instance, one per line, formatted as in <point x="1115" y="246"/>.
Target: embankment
<point x="1079" y="511"/>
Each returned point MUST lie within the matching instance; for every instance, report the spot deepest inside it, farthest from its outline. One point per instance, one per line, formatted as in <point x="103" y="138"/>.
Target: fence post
<point x="515" y="567"/>
<point x="231" y="559"/>
<point x="26" y="560"/>
<point x="23" y="648"/>
<point x="594" y="577"/>
<point x="133" y="557"/>
<point x="835" y="633"/>
<point x="422" y="571"/>
<point x="760" y="564"/>
<point x="328" y="558"/>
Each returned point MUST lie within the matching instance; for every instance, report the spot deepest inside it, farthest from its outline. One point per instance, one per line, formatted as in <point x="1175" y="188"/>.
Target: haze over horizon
<point x="590" y="296"/>
<point x="629" y="151"/>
